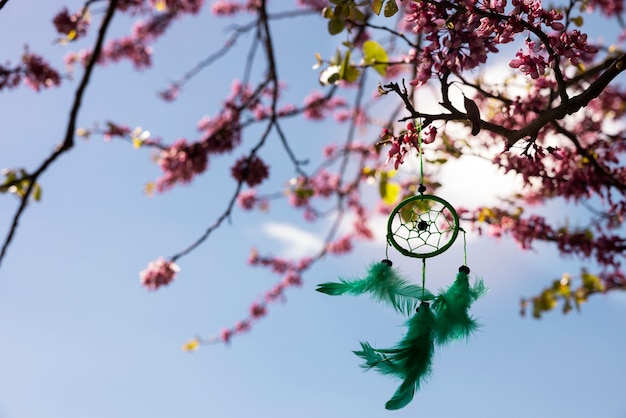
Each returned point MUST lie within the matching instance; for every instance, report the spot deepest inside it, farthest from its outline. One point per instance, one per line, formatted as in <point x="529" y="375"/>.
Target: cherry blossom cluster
<point x="574" y="46"/>
<point x="222" y="134"/>
<point x="136" y="47"/>
<point x="605" y="248"/>
<point x="73" y="26"/>
<point x="530" y="62"/>
<point x="34" y="71"/>
<point x="291" y="276"/>
<point x="231" y="7"/>
<point x="250" y="170"/>
<point x="317" y="107"/>
<point x="608" y="7"/>
<point x="405" y="142"/>
<point x="158" y="273"/>
<point x="313" y="4"/>
<point x="180" y="163"/>
<point x="248" y="200"/>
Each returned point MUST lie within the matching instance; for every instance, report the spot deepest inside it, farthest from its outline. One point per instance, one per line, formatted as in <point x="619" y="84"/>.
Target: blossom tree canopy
<point x="404" y="73"/>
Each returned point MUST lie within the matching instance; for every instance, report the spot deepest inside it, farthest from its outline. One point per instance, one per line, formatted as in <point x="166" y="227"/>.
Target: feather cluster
<point x="384" y="284"/>
<point x="411" y="359"/>
<point x="452" y="306"/>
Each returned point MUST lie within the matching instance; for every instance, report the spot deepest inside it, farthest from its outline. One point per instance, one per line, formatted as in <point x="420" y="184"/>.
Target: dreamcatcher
<point x="421" y="226"/>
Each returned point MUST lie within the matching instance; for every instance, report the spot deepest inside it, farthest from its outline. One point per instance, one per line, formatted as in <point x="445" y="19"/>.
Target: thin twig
<point x="68" y="141"/>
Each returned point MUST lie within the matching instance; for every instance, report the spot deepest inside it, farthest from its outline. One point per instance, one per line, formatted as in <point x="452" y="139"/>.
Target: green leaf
<point x="357" y="15"/>
<point x="377" y="5"/>
<point x="376" y="56"/>
<point x="345" y="64"/>
<point x="335" y="26"/>
<point x="348" y="71"/>
<point x="578" y="20"/>
<point x="37" y="192"/>
<point x="352" y="74"/>
<point x="391" y="8"/>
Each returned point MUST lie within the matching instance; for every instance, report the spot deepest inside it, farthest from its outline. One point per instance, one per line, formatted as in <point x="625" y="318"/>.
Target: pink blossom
<point x="247" y="199"/>
<point x="329" y="151"/>
<point x="304" y="263"/>
<point x="317" y="107"/>
<point x="225" y="8"/>
<point x="341" y="246"/>
<point x="170" y="93"/>
<point x="66" y="24"/>
<point x="257" y="310"/>
<point x="313" y="4"/>
<point x="251" y="170"/>
<point x="292" y="278"/>
<point x="223" y="133"/>
<point x="158" y="273"/>
<point x="275" y="293"/>
<point x="325" y="183"/>
<point x="180" y="163"/>
<point x="242" y="326"/>
<point x="429" y="134"/>
<point x="225" y="335"/>
<point x="114" y="130"/>
<point x="38" y="74"/>
<point x="130" y="48"/>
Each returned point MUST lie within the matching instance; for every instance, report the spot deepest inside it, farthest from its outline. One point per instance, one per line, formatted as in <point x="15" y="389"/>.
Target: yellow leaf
<point x="368" y="171"/>
<point x="160" y="6"/>
<point x="392" y="191"/>
<point x="485" y="214"/>
<point x="83" y="133"/>
<point x="149" y="188"/>
<point x="71" y="35"/>
<point x="191" y="345"/>
<point x="591" y="282"/>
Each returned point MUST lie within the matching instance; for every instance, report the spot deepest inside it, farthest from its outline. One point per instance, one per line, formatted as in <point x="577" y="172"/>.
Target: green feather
<point x="452" y="306"/>
<point x="410" y="360"/>
<point x="384" y="284"/>
<point x="375" y="360"/>
<point x="413" y="356"/>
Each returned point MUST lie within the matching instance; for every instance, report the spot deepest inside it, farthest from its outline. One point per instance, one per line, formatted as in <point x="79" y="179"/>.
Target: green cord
<point x="464" y="247"/>
<point x="423" y="277"/>
<point x="419" y="149"/>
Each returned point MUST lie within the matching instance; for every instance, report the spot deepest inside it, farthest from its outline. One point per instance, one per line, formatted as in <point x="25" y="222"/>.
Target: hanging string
<point x="387" y="250"/>
<point x="423" y="277"/>
<point x="464" y="246"/>
<point x="422" y="188"/>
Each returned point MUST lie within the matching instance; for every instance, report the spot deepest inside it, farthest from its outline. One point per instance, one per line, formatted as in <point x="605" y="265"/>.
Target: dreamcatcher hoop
<point x="422" y="226"/>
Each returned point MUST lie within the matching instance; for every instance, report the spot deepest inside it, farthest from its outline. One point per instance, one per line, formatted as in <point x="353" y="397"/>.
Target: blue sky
<point x="79" y="336"/>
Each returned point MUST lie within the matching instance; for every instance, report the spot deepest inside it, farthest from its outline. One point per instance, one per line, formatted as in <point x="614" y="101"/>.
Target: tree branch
<point x="572" y="106"/>
<point x="68" y="141"/>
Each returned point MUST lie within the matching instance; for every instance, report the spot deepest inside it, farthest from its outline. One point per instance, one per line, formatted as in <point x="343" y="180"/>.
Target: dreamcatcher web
<point x="423" y="226"/>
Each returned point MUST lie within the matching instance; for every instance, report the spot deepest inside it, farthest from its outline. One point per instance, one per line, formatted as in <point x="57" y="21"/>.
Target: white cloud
<point x="472" y="181"/>
<point x="296" y="242"/>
